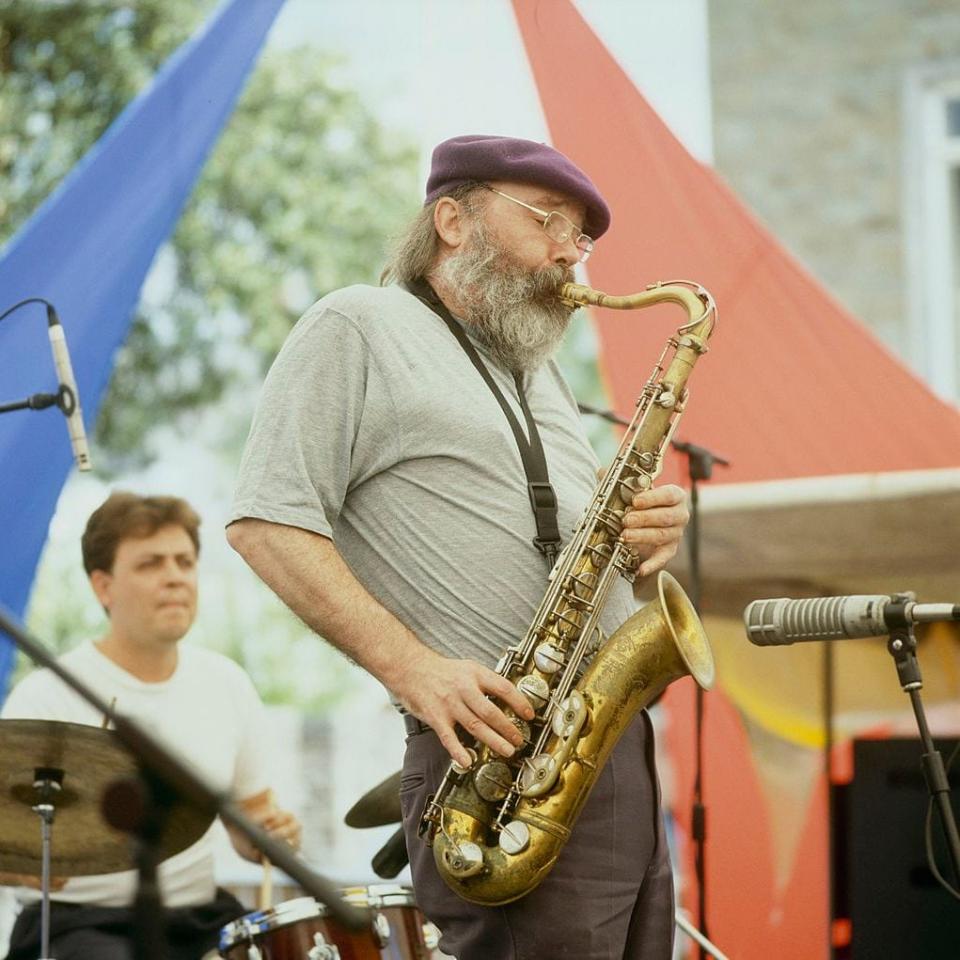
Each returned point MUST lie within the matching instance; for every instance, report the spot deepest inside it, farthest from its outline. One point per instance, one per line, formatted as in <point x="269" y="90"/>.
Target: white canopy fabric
<point x="864" y="533"/>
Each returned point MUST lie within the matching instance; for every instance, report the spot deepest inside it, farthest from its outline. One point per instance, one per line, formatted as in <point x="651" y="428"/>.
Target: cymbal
<point x="82" y="843"/>
<point x="378" y="806"/>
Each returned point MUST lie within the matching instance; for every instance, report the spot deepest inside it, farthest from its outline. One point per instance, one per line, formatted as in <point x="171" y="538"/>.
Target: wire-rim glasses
<point x="557" y="226"/>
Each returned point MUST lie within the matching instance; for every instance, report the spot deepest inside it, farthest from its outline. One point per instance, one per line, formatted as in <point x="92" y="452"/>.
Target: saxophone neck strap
<point x="543" y="498"/>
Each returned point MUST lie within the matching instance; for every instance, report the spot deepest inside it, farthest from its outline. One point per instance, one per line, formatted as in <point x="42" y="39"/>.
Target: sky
<point x="437" y="68"/>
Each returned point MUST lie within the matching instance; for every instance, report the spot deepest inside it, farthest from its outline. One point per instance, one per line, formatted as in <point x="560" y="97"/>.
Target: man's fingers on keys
<point x="451" y="743"/>
<point x="485" y="713"/>
<point x="505" y="691"/>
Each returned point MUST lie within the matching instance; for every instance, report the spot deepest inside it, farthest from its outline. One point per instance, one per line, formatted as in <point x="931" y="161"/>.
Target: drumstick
<point x="265" y="901"/>
<point x="106" y="719"/>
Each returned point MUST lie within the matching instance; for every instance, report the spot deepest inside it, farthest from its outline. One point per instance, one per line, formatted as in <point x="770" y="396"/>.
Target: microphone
<point x="782" y="621"/>
<point x="68" y="399"/>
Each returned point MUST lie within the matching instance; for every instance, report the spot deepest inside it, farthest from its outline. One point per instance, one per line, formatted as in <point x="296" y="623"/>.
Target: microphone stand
<point x="39" y="401"/>
<point x="902" y="646"/>
<point x="163" y="778"/>
<point x="700" y="463"/>
<point x="63" y="399"/>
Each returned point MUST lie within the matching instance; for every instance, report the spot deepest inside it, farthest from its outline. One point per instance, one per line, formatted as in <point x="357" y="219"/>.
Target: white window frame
<point x="930" y="158"/>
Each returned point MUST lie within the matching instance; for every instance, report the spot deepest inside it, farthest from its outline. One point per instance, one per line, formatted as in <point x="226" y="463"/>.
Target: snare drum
<point x="293" y="930"/>
<point x="399" y="928"/>
<point x="302" y="929"/>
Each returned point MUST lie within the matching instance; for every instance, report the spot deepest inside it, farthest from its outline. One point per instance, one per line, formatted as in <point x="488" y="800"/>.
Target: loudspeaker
<point x="882" y="883"/>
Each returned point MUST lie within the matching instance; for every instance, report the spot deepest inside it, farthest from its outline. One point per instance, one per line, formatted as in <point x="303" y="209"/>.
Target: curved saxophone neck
<point x="691" y="296"/>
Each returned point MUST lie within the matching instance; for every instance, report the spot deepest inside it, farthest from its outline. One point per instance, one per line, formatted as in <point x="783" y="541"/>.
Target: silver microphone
<point x="782" y="621"/>
<point x="69" y="398"/>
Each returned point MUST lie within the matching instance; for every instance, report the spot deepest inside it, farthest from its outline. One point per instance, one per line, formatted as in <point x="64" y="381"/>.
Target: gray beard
<point x="513" y="312"/>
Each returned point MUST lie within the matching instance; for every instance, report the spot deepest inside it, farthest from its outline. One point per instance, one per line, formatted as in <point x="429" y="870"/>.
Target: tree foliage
<point x="66" y="70"/>
<point x="298" y="197"/>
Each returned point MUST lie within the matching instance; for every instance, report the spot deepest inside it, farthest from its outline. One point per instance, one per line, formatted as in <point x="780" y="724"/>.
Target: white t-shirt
<point x="208" y="714"/>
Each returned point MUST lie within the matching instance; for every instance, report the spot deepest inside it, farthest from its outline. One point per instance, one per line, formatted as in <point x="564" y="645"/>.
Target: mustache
<point x="548" y="281"/>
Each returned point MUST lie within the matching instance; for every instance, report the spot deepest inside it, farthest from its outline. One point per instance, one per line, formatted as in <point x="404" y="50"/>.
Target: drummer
<point x="140" y="554"/>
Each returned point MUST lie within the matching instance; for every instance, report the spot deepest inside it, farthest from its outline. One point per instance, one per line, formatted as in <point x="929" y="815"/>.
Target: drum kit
<point x="301" y="929"/>
<point x="53" y="778"/>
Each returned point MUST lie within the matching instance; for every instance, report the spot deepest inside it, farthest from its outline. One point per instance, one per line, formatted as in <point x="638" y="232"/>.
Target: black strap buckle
<point x="543" y="500"/>
<point x="542" y="495"/>
<point x="549" y="548"/>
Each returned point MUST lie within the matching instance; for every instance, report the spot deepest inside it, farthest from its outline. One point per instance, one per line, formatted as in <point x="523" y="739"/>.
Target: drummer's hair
<point x="124" y="515"/>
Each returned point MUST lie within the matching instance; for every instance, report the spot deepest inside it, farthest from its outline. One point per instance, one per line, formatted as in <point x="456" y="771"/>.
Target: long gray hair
<point x="414" y="252"/>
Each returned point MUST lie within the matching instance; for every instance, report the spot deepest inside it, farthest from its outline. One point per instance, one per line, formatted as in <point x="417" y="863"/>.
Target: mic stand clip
<point x="902" y="646"/>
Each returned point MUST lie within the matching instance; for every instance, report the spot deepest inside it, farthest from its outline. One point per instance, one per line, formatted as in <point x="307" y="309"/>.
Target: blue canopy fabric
<point x="87" y="250"/>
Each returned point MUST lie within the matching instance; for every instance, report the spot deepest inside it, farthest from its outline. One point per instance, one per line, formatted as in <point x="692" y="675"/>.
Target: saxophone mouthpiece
<point x="580" y="295"/>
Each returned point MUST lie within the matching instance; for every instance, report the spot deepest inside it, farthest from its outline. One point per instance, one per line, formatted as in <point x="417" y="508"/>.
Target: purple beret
<point x="480" y="157"/>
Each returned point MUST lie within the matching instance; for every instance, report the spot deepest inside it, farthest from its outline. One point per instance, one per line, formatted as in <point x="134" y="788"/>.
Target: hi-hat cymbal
<point x="378" y="806"/>
<point x="82" y="843"/>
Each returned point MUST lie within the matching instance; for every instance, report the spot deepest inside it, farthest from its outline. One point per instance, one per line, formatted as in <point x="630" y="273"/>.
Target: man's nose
<point x="566" y="254"/>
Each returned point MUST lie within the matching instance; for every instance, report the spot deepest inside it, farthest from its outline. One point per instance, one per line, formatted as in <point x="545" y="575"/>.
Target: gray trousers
<point x="610" y="895"/>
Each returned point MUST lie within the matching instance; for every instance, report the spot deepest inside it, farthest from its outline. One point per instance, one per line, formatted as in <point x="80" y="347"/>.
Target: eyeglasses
<point x="556" y="226"/>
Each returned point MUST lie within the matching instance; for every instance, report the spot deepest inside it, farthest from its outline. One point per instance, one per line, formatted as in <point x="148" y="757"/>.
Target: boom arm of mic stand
<point x="169" y="770"/>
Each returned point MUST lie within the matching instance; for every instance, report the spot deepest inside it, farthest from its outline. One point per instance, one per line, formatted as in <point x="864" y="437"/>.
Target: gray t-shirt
<point x="375" y="429"/>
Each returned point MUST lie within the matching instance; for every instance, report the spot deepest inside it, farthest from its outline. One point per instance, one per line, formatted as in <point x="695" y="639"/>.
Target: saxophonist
<point x="414" y="461"/>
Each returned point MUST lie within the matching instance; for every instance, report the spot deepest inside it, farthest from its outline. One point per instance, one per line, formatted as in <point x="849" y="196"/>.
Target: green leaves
<point x="299" y="197"/>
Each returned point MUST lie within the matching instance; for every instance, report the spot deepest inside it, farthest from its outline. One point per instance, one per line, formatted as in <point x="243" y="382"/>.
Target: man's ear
<point x="451" y="224"/>
<point x="100" y="582"/>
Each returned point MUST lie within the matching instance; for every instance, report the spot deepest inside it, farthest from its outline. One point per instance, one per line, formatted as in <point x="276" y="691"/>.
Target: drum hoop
<point x="263" y="921"/>
<point x="377" y="896"/>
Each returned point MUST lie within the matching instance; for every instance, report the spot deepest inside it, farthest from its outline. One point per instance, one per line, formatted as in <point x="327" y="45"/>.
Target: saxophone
<point x="498" y="826"/>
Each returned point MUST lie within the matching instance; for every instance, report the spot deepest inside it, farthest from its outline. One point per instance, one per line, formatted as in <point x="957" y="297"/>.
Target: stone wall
<point x="808" y="103"/>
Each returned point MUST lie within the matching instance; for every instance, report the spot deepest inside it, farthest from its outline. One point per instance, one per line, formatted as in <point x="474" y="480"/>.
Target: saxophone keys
<point x="628" y="487"/>
<point x="493" y="780"/>
<point x="600" y="553"/>
<point x="463" y="859"/>
<point x="460" y="770"/>
<point x="584" y="584"/>
<point x="539" y="770"/>
<point x="523" y="727"/>
<point x="568" y="719"/>
<point x="548" y="658"/>
<point x="514" y="837"/>
<point x="638" y="483"/>
<point x="535" y="689"/>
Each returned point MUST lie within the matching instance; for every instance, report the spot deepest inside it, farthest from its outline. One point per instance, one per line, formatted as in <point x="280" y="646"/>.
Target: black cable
<point x="64" y="397"/>
<point x="6" y="313"/>
<point x="928" y="836"/>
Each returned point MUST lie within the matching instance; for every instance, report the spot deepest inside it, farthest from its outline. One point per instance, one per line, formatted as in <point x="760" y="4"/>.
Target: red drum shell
<point x="291" y="929"/>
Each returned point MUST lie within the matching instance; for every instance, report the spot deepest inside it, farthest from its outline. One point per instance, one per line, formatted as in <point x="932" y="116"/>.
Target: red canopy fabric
<point x="793" y="385"/>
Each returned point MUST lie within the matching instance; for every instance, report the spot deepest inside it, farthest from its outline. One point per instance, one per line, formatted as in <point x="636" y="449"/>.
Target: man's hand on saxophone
<point x="442" y="692"/>
<point x="654" y="527"/>
<point x="307" y="572"/>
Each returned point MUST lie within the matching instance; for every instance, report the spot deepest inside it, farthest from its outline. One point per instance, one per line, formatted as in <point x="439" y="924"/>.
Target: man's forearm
<point x="307" y="572"/>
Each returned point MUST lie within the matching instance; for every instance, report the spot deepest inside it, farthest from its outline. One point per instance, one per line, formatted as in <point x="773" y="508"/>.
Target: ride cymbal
<point x="85" y="760"/>
<point x="378" y="806"/>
